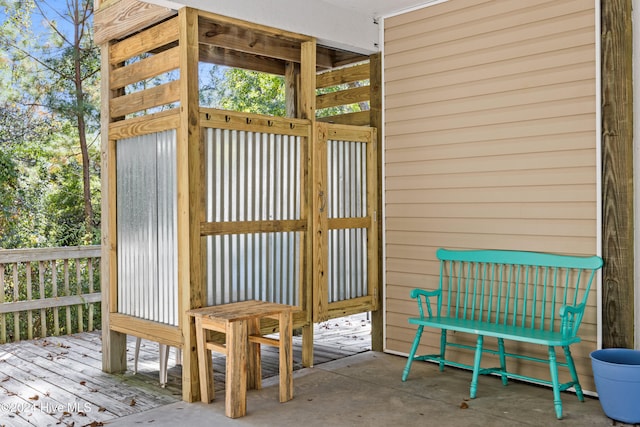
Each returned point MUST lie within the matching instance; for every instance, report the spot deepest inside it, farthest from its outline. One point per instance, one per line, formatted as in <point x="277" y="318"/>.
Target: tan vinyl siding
<point x="490" y="142"/>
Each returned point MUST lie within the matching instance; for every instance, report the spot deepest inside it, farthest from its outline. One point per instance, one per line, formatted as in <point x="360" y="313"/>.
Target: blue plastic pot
<point x="616" y="372"/>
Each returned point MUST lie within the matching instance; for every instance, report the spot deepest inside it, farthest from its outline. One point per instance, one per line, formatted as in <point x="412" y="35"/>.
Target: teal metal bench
<point x="529" y="297"/>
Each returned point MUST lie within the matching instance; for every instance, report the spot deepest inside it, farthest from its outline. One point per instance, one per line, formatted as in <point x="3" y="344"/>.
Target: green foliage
<point x="247" y="91"/>
<point x="24" y="134"/>
<point x="49" y="124"/>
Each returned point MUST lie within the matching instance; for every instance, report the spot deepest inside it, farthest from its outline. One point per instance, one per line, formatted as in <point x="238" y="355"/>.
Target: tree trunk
<point x="82" y="135"/>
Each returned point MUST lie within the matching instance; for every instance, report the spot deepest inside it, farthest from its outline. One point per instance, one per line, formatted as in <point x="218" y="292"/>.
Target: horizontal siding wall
<point x="490" y="142"/>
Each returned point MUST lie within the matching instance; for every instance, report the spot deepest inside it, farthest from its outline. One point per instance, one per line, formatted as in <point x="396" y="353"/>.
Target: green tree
<point x="236" y="89"/>
<point x="25" y="137"/>
<point x="49" y="66"/>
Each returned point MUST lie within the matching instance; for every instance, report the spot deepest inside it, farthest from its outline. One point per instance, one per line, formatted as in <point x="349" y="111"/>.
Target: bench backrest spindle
<point x="515" y="288"/>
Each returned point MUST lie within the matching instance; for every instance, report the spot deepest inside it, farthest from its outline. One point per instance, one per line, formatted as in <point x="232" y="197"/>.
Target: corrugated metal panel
<point x="490" y="141"/>
<point x="147" y="227"/>
<point x="347" y="198"/>
<point x="253" y="177"/>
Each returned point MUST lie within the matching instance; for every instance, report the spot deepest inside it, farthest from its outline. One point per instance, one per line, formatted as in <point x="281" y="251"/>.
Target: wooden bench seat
<point x="529" y="297"/>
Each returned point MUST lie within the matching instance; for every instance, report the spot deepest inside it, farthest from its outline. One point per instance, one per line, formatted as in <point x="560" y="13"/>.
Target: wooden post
<point x="375" y="120"/>
<point x="190" y="200"/>
<point x="291" y="73"/>
<point x="617" y="175"/>
<point x="114" y="352"/>
<point x="307" y="106"/>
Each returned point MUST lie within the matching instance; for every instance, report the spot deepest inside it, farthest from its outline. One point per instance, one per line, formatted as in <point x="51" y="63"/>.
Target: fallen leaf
<point x="102" y="409"/>
<point x="464" y="405"/>
<point x="36" y="397"/>
<point x="83" y="382"/>
<point x="132" y="403"/>
<point x="82" y="414"/>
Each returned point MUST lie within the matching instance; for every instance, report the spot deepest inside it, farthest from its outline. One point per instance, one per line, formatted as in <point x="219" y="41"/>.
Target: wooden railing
<point x="50" y="291"/>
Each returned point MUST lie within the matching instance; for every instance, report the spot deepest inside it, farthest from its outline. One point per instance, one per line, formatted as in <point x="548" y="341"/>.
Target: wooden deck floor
<point x="59" y="381"/>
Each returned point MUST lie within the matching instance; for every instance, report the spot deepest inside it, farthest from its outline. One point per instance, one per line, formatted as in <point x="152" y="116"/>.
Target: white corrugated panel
<point x="147" y="227"/>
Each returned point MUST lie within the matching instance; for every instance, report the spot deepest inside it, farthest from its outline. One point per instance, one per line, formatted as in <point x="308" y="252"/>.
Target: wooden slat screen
<point x="344" y="87"/>
<point x="144" y="75"/>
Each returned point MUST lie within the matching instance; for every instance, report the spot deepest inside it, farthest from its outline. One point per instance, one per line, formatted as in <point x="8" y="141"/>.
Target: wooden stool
<point x="240" y="322"/>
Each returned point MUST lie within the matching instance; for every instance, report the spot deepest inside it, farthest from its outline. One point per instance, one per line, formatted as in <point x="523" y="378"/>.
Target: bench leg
<point x="503" y="362"/>
<point x="443" y="348"/>
<point x="553" y="368"/>
<point x="235" y="404"/>
<point x="205" y="368"/>
<point x="254" y="359"/>
<point x="476" y="367"/>
<point x="574" y="374"/>
<point x="412" y="353"/>
<point x="286" y="356"/>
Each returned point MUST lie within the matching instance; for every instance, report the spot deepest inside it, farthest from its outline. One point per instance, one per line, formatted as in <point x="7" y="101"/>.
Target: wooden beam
<point x="117" y="19"/>
<point x="343" y="97"/>
<point x="163" y="94"/>
<point x="327" y="58"/>
<point x="262" y="42"/>
<point x="291" y="74"/>
<point x="375" y="120"/>
<point x="343" y="75"/>
<point x="617" y="175"/>
<point x="232" y="58"/>
<point x="209" y="17"/>
<point x="147" y="329"/>
<point x="221" y="119"/>
<point x="143" y="125"/>
<point x="248" y="227"/>
<point x="114" y="344"/>
<point x="308" y="82"/>
<point x="191" y="289"/>
<point x="359" y="118"/>
<point x="145" y="41"/>
<point x="146" y="68"/>
<point x="247" y="39"/>
<point x="307" y="110"/>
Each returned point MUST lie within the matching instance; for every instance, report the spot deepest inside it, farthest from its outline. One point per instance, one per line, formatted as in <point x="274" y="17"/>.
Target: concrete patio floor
<point x="366" y="390"/>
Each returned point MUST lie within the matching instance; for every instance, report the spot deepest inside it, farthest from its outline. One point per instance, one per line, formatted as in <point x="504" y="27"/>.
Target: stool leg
<point x="205" y="368"/>
<point x="163" y="350"/>
<point x="135" y="355"/>
<point x="236" y="375"/>
<point x="286" y="356"/>
<point x="254" y="362"/>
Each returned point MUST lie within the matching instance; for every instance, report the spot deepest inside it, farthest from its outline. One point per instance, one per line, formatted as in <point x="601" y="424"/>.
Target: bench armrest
<point x="423" y="297"/>
<point x="571" y="317"/>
